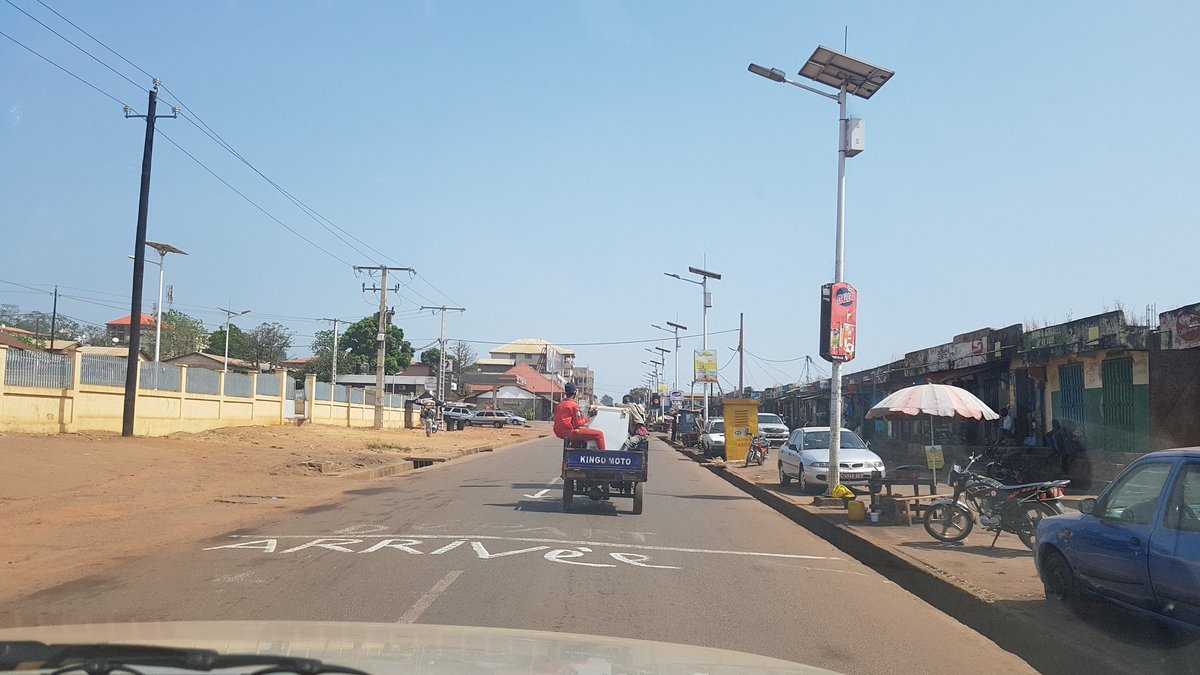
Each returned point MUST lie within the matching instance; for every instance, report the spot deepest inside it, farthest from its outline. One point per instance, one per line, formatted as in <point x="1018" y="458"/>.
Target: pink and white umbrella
<point x="935" y="400"/>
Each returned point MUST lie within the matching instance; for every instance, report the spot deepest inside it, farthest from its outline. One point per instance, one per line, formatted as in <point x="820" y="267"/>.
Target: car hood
<point x="408" y="648"/>
<point x="844" y="455"/>
<point x="1051" y="527"/>
<point x="773" y="428"/>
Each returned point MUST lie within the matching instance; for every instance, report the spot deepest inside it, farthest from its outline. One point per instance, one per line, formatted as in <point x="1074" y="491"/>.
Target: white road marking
<point x="360" y="529"/>
<point x="426" y="600"/>
<point x="561" y="554"/>
<point x="542" y="493"/>
<point x="638" y="560"/>
<point x="317" y="540"/>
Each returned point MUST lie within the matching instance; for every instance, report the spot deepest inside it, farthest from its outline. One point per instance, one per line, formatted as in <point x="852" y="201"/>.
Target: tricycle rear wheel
<point x="638" y="492"/>
<point x="568" y="492"/>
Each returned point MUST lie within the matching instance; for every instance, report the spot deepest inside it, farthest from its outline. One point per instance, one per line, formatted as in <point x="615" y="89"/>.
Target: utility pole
<point x="139" y="262"/>
<point x="333" y="370"/>
<point x="741" y="352"/>
<point x="54" y="318"/>
<point x="381" y="336"/>
<point x="441" y="375"/>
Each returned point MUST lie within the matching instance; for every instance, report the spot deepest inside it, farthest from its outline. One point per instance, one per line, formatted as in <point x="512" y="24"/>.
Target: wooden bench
<point x="909" y="505"/>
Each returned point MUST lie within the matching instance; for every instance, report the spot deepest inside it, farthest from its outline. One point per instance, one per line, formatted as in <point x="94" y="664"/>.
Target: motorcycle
<point x="1008" y="468"/>
<point x="758" y="451"/>
<point x="998" y="507"/>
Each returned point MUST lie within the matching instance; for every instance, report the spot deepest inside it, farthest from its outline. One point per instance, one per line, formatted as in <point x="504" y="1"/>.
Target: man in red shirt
<point x="569" y="421"/>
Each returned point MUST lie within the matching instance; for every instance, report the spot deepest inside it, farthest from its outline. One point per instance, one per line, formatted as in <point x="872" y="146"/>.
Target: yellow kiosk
<point x="741" y="426"/>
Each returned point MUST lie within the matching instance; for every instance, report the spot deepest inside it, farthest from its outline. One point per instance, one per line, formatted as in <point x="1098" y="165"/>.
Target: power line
<point x="798" y="358"/>
<point x="68" y="41"/>
<point x="47" y="60"/>
<point x="205" y="129"/>
<point x="250" y="201"/>
<point x="194" y="119"/>
<point x="97" y="40"/>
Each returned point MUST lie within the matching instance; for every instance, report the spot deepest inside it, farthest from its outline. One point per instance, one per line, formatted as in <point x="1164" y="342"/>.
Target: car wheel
<point x="1058" y="579"/>
<point x="499" y="424"/>
<point x="784" y="479"/>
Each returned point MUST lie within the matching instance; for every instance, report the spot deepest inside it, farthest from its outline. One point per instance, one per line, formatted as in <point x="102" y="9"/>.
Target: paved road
<point x="484" y="542"/>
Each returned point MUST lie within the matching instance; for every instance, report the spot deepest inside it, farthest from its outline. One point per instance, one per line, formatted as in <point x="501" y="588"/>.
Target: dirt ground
<point x="72" y="504"/>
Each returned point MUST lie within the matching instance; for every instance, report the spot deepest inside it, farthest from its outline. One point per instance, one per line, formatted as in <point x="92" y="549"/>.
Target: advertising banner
<point x="706" y="365"/>
<point x="839" y="318"/>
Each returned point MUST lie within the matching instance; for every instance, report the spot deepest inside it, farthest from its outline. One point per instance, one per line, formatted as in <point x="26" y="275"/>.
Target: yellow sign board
<point x="741" y="426"/>
<point x="706" y="365"/>
<point x="934" y="459"/>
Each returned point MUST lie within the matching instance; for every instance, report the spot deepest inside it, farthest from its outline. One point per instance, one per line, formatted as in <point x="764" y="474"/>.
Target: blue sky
<point x="543" y="163"/>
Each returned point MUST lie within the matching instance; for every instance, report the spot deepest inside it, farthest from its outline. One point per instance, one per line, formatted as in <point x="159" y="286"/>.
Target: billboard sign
<point x="839" y="319"/>
<point x="552" y="360"/>
<point x="706" y="365"/>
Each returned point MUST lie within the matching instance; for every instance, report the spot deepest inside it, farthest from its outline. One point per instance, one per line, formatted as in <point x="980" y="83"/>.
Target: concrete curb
<point x="415" y="463"/>
<point x="975" y="607"/>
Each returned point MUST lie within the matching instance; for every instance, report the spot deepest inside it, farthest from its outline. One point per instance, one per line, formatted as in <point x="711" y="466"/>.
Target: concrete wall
<point x="335" y="413"/>
<point x="1175" y="399"/>
<point x="158" y="413"/>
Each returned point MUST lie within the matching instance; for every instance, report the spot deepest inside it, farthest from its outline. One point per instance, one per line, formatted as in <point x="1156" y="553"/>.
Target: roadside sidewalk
<point x="73" y="504"/>
<point x="995" y="591"/>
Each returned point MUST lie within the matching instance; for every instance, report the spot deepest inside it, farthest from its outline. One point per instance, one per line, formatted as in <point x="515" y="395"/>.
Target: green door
<point x="1070" y="388"/>
<point x="1117" y="406"/>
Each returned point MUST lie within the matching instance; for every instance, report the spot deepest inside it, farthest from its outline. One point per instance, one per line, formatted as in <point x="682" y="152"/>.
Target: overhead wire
<point x="68" y="41"/>
<point x="94" y="38"/>
<point x="51" y="62"/>
<point x="206" y="129"/>
<point x="251" y="201"/>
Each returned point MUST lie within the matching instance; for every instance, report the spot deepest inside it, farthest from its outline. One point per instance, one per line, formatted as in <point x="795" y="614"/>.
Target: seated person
<point x="638" y="433"/>
<point x="570" y="424"/>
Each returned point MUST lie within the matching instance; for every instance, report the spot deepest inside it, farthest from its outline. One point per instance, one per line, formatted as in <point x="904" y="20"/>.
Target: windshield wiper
<point x="103" y="659"/>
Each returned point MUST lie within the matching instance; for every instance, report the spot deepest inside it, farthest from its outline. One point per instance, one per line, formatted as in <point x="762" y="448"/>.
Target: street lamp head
<point x="676" y="276"/>
<point x="773" y="74"/>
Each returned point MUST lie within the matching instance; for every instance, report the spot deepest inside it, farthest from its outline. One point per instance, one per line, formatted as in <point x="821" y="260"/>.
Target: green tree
<point x="322" y="348"/>
<point x="239" y="345"/>
<point x="359" y="340"/>
<point x="181" y="334"/>
<point x="640" y="394"/>
<point x="431" y="357"/>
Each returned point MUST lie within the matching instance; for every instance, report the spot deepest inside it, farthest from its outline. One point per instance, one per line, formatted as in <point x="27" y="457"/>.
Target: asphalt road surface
<point x="483" y="541"/>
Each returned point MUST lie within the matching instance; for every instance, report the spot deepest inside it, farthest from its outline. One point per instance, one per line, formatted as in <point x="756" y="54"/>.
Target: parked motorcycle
<point x="998" y="507"/>
<point x="758" y="451"/>
<point x="1007" y="467"/>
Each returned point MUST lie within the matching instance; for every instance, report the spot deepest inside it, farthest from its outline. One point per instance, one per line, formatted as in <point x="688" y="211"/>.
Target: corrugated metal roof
<point x="530" y="346"/>
<point x="147" y="320"/>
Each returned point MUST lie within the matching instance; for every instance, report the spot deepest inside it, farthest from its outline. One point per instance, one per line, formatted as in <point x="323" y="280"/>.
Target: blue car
<point x="1137" y="544"/>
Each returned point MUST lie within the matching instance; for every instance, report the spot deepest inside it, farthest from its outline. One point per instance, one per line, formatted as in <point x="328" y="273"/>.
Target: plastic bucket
<point x="874" y="516"/>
